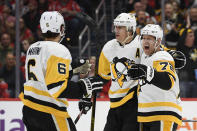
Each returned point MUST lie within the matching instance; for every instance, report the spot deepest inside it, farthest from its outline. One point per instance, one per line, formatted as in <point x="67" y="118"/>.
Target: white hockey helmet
<point x="153" y="30"/>
<point x="126" y="19"/>
<point x="52" y="21"/>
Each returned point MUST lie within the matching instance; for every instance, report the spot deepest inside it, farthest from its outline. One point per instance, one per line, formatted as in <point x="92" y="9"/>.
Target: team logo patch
<point x="120" y="68"/>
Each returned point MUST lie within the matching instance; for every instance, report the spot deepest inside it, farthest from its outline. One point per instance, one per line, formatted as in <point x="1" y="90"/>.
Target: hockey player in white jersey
<point x="117" y="56"/>
<point x="159" y="104"/>
<point x="48" y="71"/>
<point x="126" y="49"/>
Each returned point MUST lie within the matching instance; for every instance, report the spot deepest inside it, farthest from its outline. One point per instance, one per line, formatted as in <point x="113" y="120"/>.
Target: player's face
<point x="121" y="33"/>
<point x="148" y="44"/>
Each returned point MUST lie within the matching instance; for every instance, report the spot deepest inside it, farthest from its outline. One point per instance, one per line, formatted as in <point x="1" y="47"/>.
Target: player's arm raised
<point x="161" y="74"/>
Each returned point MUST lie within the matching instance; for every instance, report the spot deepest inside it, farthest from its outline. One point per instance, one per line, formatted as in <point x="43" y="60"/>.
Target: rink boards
<point x="11" y="115"/>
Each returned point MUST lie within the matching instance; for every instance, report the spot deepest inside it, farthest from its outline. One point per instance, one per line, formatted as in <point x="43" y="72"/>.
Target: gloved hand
<point x="140" y="71"/>
<point x="91" y="84"/>
<point x="84" y="68"/>
<point x="85" y="104"/>
<point x="179" y="58"/>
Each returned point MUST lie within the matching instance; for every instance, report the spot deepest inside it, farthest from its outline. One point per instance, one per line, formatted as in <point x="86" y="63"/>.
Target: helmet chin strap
<point x="126" y="39"/>
<point x="62" y="37"/>
<point x="156" y="46"/>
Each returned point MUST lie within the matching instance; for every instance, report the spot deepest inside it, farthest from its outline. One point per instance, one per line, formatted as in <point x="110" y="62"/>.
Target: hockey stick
<point x="78" y="117"/>
<point x="189" y="120"/>
<point x="93" y="25"/>
<point x="93" y="112"/>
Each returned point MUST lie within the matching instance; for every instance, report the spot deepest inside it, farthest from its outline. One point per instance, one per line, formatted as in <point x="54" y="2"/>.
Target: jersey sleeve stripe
<point x="172" y="76"/>
<point x="63" y="87"/>
<point x="50" y="86"/>
<point x="172" y="80"/>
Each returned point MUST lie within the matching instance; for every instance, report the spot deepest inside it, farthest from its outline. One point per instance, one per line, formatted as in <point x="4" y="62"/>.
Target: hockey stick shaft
<point x="94" y="26"/>
<point x="78" y="117"/>
<point x="93" y="112"/>
<point x="189" y="120"/>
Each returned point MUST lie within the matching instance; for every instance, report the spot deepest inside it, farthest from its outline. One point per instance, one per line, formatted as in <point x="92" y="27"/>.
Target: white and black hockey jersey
<point x="120" y="91"/>
<point x="47" y="70"/>
<point x="155" y="103"/>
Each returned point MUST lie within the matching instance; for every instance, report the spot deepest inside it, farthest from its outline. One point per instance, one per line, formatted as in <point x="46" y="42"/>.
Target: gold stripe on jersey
<point x="104" y="67"/>
<point x="63" y="87"/>
<point x="43" y="108"/>
<point x="122" y="101"/>
<point x="118" y="91"/>
<point x="172" y="80"/>
<point x="159" y="118"/>
<point x="43" y="93"/>
<point x="56" y="73"/>
<point x="167" y="125"/>
<point x="138" y="88"/>
<point x="166" y="66"/>
<point x="61" y="123"/>
<point x="157" y="104"/>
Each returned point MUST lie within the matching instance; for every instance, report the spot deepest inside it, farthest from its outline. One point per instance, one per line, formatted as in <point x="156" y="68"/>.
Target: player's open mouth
<point x="146" y="47"/>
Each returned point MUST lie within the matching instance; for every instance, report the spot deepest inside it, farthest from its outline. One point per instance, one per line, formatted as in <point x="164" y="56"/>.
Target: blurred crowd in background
<point x="180" y="28"/>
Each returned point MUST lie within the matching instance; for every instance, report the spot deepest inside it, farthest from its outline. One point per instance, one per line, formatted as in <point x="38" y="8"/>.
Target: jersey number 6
<point x="31" y="75"/>
<point x="32" y="63"/>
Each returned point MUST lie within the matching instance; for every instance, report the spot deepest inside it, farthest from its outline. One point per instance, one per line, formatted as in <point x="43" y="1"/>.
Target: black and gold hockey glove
<point x="90" y="85"/>
<point x="179" y="58"/>
<point x="140" y="71"/>
<point x="85" y="105"/>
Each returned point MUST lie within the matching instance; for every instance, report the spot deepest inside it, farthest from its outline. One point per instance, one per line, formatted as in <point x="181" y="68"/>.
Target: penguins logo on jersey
<point x="119" y="69"/>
